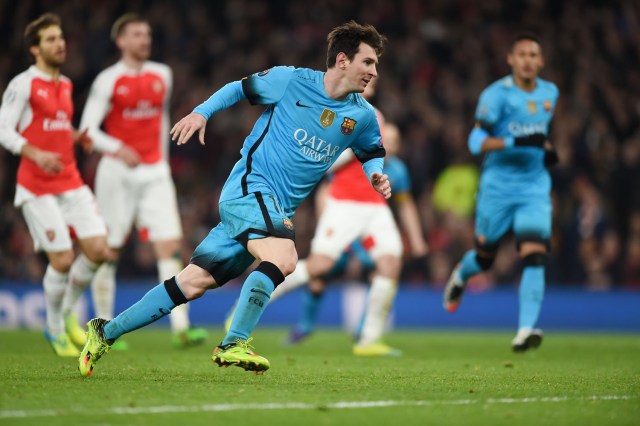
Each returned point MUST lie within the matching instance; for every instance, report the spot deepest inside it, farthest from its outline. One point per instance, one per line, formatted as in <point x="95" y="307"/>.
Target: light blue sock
<point x="311" y="306"/>
<point x="254" y="298"/>
<point x="154" y="305"/>
<point x="531" y="293"/>
<point x="469" y="266"/>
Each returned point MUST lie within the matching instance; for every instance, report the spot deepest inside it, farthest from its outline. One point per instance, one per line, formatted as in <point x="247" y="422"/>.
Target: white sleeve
<point x="95" y="110"/>
<point x="166" y="120"/>
<point x="14" y="102"/>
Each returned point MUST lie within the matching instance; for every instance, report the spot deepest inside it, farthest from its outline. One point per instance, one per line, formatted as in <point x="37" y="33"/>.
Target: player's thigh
<point x="532" y="220"/>
<point x="222" y="256"/>
<point x="341" y="223"/>
<point x="81" y="213"/>
<point x="117" y="200"/>
<point x="384" y="234"/>
<point x="158" y="210"/>
<point x="46" y="224"/>
<point x="494" y="217"/>
<point x="256" y="215"/>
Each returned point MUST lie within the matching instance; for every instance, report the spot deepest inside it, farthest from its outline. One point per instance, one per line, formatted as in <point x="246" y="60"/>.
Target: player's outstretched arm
<point x="185" y="128"/>
<point x="381" y="184"/>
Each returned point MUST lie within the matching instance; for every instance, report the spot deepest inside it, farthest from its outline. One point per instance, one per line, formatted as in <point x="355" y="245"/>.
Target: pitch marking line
<point x="301" y="406"/>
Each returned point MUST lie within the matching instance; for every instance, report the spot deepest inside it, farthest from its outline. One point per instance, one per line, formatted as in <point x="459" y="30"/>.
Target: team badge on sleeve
<point x="287" y="224"/>
<point x="263" y="73"/>
<point x="326" y="118"/>
<point x="348" y="125"/>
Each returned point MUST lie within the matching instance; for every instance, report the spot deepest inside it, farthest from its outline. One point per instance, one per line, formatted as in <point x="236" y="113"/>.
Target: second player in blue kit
<point x="512" y="127"/>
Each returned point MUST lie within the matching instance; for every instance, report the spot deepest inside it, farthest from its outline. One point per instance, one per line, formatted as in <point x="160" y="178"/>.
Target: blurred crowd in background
<point x="441" y="55"/>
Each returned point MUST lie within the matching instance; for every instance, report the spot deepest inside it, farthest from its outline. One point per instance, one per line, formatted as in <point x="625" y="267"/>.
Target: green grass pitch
<point x="444" y="378"/>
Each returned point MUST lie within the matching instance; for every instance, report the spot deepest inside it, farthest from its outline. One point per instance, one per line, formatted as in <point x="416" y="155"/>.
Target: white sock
<point x="54" y="284"/>
<point x="383" y="291"/>
<point x="103" y="291"/>
<point x="80" y="275"/>
<point x="179" y="316"/>
<point x="298" y="278"/>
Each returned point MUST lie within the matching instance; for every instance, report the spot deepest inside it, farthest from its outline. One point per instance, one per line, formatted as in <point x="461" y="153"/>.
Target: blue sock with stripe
<point x="254" y="298"/>
<point x="531" y="294"/>
<point x="157" y="303"/>
<point x="311" y="306"/>
<point x="469" y="266"/>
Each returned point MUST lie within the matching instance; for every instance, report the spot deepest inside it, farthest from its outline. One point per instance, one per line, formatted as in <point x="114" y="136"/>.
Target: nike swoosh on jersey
<point x="301" y="105"/>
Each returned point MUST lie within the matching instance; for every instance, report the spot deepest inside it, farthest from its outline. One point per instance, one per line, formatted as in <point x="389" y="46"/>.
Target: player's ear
<point x="510" y="59"/>
<point x="34" y="50"/>
<point x="342" y="60"/>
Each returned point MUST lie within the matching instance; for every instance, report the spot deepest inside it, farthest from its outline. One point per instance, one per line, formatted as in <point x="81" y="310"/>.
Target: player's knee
<point x="62" y="261"/>
<point x="534" y="259"/>
<point x="273" y="272"/>
<point x="485" y="260"/>
<point x="388" y="266"/>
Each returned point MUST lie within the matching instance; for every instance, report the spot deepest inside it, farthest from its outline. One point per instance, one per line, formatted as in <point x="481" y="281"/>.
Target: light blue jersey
<point x="293" y="143"/>
<point x="503" y="110"/>
<point x="300" y="134"/>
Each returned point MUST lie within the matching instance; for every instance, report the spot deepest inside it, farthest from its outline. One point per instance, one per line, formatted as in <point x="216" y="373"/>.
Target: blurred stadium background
<point x="441" y="55"/>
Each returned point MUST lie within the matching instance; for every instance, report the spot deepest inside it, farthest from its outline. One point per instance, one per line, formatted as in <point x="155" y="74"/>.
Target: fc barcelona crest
<point x="348" y="125"/>
<point x="326" y="118"/>
<point x="287" y="224"/>
<point x="532" y="107"/>
<point x="547" y="106"/>
<point x="51" y="234"/>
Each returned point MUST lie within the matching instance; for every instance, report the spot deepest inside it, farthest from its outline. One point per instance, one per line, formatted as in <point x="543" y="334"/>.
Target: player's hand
<point x="420" y="248"/>
<point x="48" y="161"/>
<point x="550" y="154"/>
<point x="83" y="139"/>
<point x="128" y="156"/>
<point x="381" y="184"/>
<point x="185" y="128"/>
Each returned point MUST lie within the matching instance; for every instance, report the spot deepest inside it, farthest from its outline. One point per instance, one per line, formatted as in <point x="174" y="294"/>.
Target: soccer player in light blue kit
<point x="512" y="125"/>
<point x="311" y="117"/>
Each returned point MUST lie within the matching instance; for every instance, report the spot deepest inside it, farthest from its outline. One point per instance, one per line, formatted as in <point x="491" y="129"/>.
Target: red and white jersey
<point x="350" y="183"/>
<point x="37" y="109"/>
<point x="132" y="107"/>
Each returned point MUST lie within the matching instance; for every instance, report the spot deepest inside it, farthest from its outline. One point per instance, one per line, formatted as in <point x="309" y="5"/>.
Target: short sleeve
<point x="488" y="109"/>
<point x="268" y="86"/>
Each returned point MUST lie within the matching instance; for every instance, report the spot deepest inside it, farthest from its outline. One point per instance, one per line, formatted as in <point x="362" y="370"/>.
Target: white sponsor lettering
<point x="143" y="110"/>
<point x="60" y="123"/>
<point x="315" y="147"/>
<point x="525" y="129"/>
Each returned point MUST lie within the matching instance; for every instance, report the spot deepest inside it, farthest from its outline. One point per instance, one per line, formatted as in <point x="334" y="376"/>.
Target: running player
<point x="512" y="126"/>
<point x="35" y="123"/>
<point x="133" y="181"/>
<point x="310" y="119"/>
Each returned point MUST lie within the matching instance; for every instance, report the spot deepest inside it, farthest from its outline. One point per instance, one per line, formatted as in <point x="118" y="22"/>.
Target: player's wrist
<point x="508" y="141"/>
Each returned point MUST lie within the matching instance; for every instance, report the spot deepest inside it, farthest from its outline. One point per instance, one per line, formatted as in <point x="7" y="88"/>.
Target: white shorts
<point x="144" y="196"/>
<point x="343" y="222"/>
<point x="53" y="218"/>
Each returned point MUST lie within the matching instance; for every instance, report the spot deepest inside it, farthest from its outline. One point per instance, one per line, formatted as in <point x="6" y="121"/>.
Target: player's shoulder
<point x="502" y="85"/>
<point x="157" y="67"/>
<point x="548" y="87"/>
<point x="111" y="73"/>
<point x="307" y="74"/>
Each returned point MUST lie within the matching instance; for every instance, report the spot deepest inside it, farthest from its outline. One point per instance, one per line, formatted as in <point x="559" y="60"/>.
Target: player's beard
<point x="54" y="60"/>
